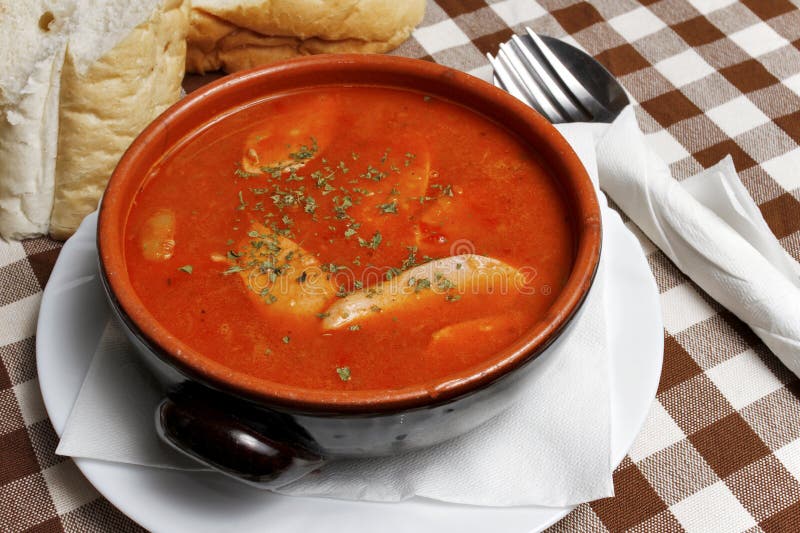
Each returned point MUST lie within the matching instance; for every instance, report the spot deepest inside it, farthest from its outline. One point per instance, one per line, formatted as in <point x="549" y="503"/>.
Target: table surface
<point x="721" y="448"/>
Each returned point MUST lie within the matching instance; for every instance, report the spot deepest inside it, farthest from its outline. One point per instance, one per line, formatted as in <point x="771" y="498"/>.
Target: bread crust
<point x="237" y="34"/>
<point x="102" y="110"/>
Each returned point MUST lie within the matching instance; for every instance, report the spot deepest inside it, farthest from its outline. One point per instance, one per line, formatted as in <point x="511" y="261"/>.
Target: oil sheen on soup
<point x="349" y="238"/>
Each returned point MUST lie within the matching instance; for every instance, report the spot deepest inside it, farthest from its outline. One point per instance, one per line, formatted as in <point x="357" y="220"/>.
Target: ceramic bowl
<point x="270" y="434"/>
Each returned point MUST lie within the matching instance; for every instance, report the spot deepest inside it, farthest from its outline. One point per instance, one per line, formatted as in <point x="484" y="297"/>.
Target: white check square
<point x="440" y="36"/>
<point x="515" y="12"/>
<point x="683" y="307"/>
<point x="760" y="381"/>
<point x="665" y="145"/>
<point x="10" y="252"/>
<point x="67" y="487"/>
<point x="659" y="432"/>
<point x="785" y="169"/>
<point x="29" y="398"/>
<point x="684" y="68"/>
<point x="758" y="39"/>
<point x="636" y="24"/>
<point x="714" y="508"/>
<point x="789" y="456"/>
<point x="707" y="6"/>
<point x="18" y="319"/>
<point x="737" y="116"/>
<point x="793" y="83"/>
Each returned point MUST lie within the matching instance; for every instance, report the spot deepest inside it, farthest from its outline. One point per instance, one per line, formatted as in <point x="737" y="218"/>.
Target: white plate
<point x="71" y="320"/>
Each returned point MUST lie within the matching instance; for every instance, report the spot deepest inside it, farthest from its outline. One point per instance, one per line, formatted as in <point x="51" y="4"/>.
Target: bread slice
<point x="30" y="67"/>
<point x="237" y="34"/>
<point x="110" y="90"/>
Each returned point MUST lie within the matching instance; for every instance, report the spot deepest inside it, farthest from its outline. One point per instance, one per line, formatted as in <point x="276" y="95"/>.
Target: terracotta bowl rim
<point x="396" y="72"/>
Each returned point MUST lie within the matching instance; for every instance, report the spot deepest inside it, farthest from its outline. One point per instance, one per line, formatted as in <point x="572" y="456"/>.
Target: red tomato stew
<point x="349" y="238"/>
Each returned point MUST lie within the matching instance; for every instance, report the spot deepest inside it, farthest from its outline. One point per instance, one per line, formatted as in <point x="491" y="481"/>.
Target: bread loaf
<point x="79" y="79"/>
<point x="30" y="68"/>
<point x="108" y="102"/>
<point x="238" y="34"/>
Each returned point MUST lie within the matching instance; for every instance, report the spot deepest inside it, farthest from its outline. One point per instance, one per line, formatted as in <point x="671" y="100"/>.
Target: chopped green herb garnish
<point x="421" y="284"/>
<point x="391" y="273"/>
<point x="411" y="260"/>
<point x="452" y="297"/>
<point x="243" y="173"/>
<point x="323" y="315"/>
<point x="344" y="373"/>
<point x="305" y="152"/>
<point x="372" y="243"/>
<point x="355" y="327"/>
<point x="286" y="339"/>
<point x="391" y="207"/>
<point x="233" y="269"/>
<point x="186" y="268"/>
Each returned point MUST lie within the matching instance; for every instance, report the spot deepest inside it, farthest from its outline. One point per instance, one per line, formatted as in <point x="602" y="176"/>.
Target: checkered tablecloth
<point x="721" y="448"/>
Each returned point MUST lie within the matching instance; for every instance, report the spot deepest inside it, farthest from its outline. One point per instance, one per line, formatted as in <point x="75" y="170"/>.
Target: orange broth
<point x="223" y="243"/>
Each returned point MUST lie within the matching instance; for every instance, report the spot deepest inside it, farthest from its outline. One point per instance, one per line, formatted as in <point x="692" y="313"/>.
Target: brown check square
<point x="729" y="444"/>
<point x="456" y="8"/>
<point x="670" y="108"/>
<point x="748" y="76"/>
<point x="634" y="501"/>
<point x="622" y="60"/>
<point x="17" y="458"/>
<point x="713" y="154"/>
<point x="42" y="264"/>
<point x="679" y="366"/>
<point x="698" y="31"/>
<point x="769" y="9"/>
<point x="577" y="17"/>
<point x="782" y="215"/>
<point x="783" y="521"/>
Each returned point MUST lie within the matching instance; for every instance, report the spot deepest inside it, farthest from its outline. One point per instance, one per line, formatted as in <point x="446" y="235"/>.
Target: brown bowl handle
<point x="260" y="447"/>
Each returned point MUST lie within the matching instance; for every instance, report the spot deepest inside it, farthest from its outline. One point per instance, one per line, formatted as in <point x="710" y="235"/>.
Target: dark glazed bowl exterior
<point x="331" y="423"/>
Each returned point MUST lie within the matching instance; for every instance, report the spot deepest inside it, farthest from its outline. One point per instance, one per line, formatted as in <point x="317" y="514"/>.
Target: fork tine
<point x="530" y="85"/>
<point x="573" y="109"/>
<point x="507" y="80"/>
<point x="511" y="83"/>
<point x="589" y="102"/>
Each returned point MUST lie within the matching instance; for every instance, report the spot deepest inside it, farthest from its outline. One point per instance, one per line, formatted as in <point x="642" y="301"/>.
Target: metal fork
<point x="545" y="76"/>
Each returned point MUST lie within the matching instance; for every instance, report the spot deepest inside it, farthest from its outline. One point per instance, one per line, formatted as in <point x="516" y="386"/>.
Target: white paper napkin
<point x="711" y="228"/>
<point x="551" y="448"/>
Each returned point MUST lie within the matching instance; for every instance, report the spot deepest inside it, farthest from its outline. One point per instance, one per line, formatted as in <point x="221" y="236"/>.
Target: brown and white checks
<point x="721" y="448"/>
